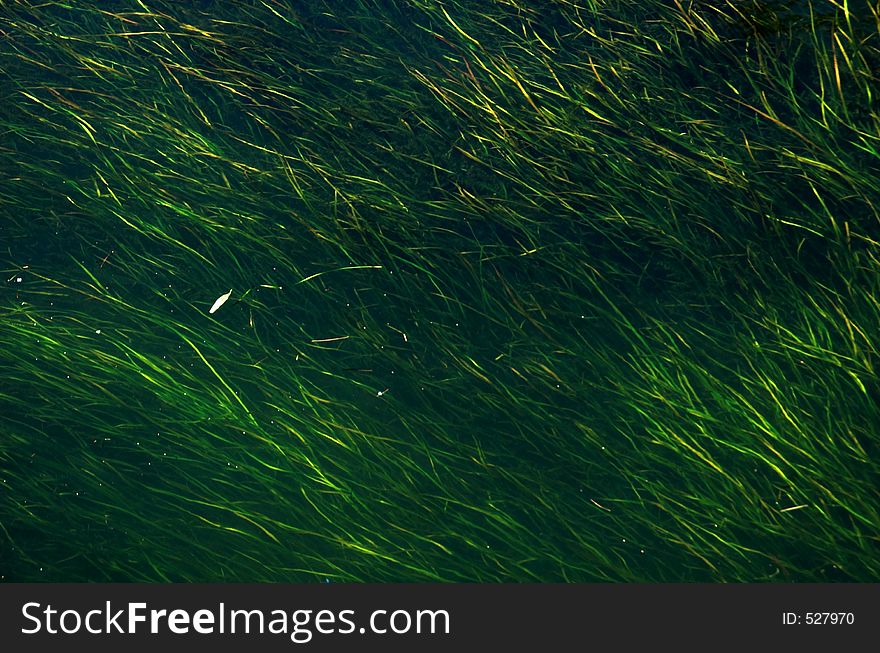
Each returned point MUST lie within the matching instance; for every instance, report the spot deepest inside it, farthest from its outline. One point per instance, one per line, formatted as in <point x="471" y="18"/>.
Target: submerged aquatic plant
<point x="554" y="291"/>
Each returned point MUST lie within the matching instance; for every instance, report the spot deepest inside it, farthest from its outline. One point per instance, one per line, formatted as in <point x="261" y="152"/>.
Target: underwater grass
<point x="555" y="291"/>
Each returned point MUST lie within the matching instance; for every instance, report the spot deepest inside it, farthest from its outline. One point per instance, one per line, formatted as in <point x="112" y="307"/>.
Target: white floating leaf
<point x="220" y="301"/>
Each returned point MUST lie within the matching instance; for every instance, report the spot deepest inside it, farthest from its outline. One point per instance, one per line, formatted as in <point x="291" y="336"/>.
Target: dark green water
<point x="551" y="292"/>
